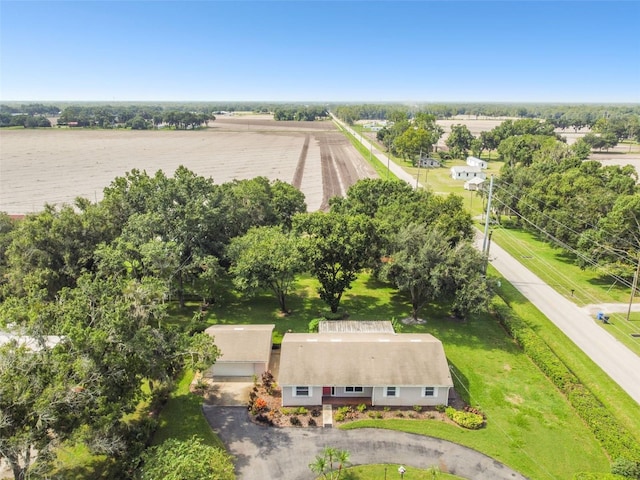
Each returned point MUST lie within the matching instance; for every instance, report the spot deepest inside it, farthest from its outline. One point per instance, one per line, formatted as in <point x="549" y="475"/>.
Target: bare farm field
<point x="57" y="165"/>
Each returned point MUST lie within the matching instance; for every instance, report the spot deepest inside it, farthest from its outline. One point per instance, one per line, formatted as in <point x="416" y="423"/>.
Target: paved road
<point x="285" y="453"/>
<point x="396" y="169"/>
<point x="620" y="363"/>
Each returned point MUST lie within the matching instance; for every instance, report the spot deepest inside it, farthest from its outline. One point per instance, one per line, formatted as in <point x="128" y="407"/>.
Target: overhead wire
<point x="554" y="220"/>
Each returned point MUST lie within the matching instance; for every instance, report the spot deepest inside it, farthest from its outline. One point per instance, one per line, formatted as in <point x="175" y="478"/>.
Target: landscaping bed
<point x="265" y="408"/>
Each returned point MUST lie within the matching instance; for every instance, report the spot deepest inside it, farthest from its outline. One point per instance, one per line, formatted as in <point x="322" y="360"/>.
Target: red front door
<point x="326" y="391"/>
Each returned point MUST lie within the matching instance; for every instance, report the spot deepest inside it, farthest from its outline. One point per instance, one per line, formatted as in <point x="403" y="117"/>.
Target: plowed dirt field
<point x="57" y="165"/>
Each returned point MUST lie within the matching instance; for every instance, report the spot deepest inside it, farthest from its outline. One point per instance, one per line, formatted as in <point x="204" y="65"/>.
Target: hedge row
<point x="613" y="436"/>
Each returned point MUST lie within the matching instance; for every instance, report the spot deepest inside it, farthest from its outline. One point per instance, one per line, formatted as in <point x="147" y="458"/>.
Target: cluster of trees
<point x="410" y="138"/>
<point x="301" y="114"/>
<point x="550" y="187"/>
<point x="33" y="109"/>
<point x="101" y="276"/>
<point x="135" y="117"/>
<point x="23" y="120"/>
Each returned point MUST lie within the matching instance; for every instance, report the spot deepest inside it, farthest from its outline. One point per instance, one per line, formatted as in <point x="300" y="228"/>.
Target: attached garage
<point x="246" y="349"/>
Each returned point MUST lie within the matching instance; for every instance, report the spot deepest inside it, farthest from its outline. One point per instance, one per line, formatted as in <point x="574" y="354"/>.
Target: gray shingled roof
<point x="355" y="326"/>
<point x="242" y="343"/>
<point x="367" y="359"/>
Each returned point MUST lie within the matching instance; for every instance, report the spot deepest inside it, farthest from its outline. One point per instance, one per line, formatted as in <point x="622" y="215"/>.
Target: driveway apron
<point x="284" y="453"/>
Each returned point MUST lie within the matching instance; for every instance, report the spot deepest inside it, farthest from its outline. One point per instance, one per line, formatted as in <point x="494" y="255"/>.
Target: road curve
<point x="615" y="359"/>
<point x="285" y="453"/>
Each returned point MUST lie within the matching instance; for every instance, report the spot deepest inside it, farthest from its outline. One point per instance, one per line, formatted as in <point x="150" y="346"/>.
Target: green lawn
<point x="182" y="417"/>
<point x="556" y="267"/>
<point x="379" y="472"/>
<point x="626" y="410"/>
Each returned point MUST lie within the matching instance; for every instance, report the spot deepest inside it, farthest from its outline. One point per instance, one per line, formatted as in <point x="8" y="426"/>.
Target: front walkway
<point x="285" y="453"/>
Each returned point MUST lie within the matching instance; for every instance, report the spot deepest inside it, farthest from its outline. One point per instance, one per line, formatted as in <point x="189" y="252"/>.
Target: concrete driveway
<point x="228" y="391"/>
<point x="285" y="453"/>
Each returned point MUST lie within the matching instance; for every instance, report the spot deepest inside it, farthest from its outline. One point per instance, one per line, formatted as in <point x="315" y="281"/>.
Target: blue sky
<point x="361" y="51"/>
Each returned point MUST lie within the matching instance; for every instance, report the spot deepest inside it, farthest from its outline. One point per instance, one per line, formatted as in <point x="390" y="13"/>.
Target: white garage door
<point x="238" y="369"/>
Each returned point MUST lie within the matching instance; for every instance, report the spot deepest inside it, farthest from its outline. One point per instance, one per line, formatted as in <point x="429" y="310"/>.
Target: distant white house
<point x="476" y="162"/>
<point x="474" y="184"/>
<point x="429" y="162"/>
<point x="466" y="172"/>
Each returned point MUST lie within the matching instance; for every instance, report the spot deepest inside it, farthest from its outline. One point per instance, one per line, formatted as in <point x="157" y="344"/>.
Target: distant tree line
<point x="300" y="114"/>
<point x="23" y="120"/>
<point x="560" y="115"/>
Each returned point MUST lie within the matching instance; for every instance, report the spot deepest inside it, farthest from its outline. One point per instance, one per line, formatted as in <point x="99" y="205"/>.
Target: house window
<point x="391" y="392"/>
<point x="353" y="389"/>
<point x="302" y="392"/>
<point x="429" y="392"/>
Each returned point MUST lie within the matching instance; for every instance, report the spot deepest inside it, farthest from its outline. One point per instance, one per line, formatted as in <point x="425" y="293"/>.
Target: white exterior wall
<point x="341" y="392"/>
<point x="409" y="396"/>
<point x="290" y="400"/>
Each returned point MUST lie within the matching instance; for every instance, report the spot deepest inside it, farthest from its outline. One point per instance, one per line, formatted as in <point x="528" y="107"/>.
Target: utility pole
<point x="633" y="289"/>
<point x="486" y="223"/>
<point x="419" y="162"/>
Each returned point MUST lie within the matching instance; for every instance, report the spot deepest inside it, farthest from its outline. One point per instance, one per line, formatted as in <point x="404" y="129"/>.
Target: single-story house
<point x="474" y="184"/>
<point x="466" y="172"/>
<point x="246" y="349"/>
<point x="429" y="162"/>
<point x="380" y="367"/>
<point x="476" y="162"/>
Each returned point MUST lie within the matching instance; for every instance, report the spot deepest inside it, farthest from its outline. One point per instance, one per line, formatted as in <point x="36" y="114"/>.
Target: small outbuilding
<point x="474" y="184"/>
<point x="429" y="163"/>
<point x="246" y="349"/>
<point x="477" y="162"/>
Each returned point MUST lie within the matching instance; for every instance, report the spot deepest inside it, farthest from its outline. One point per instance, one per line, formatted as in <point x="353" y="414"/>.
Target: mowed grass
<point x="582" y="286"/>
<point x="182" y="417"/>
<point x="530" y="425"/>
<point x="617" y="401"/>
<point x="390" y="471"/>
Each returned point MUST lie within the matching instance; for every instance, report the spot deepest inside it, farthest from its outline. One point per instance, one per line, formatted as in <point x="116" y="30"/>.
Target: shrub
<point x="259" y="405"/>
<point x="441" y="408"/>
<point x="626" y="468"/>
<point x="417" y="408"/>
<point x="400" y="414"/>
<point x="312" y="423"/>
<point x="387" y="409"/>
<point x="314" y="325"/>
<point x="295" y="421"/>
<point x="286" y="411"/>
<point x="316" y="412"/>
<point x="469" y="420"/>
<point x="301" y="411"/>
<point x="267" y="380"/>
<point x="342" y="413"/>
<point x="361" y="408"/>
